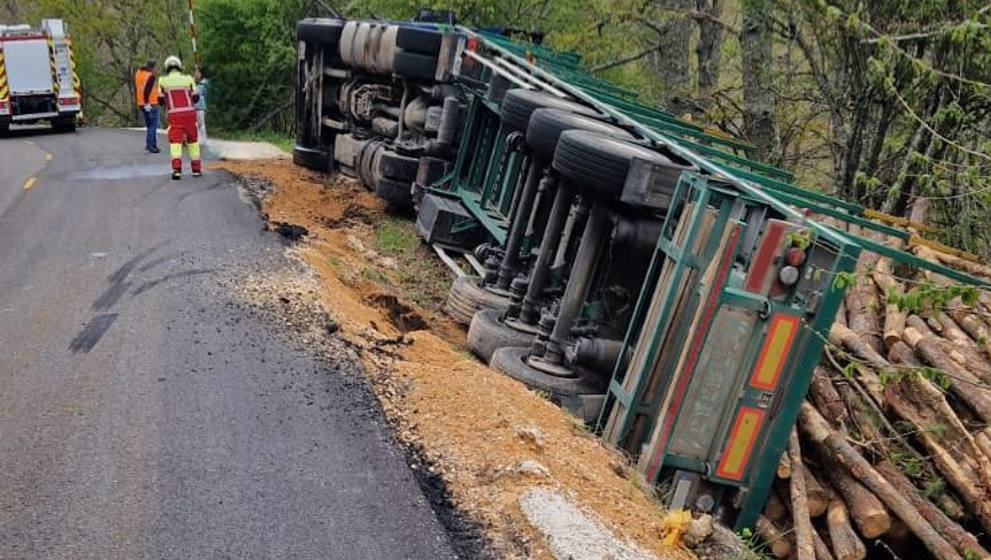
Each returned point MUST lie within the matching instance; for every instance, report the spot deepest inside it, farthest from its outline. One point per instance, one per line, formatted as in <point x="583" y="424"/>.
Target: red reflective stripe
<point x="765" y="256"/>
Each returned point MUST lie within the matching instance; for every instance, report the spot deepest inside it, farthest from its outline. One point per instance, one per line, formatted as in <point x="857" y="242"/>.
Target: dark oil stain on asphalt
<point x="92" y="333"/>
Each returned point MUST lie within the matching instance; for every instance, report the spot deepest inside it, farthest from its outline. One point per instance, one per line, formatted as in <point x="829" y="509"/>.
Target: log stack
<point x="891" y="457"/>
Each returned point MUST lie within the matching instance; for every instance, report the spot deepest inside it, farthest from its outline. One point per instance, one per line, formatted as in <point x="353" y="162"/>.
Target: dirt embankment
<point x="492" y="441"/>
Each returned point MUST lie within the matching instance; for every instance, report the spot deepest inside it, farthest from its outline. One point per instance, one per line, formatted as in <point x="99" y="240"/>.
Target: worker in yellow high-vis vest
<point x="178" y="96"/>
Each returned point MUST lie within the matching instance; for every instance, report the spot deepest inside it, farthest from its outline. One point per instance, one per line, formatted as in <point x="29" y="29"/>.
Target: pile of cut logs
<point x="891" y="456"/>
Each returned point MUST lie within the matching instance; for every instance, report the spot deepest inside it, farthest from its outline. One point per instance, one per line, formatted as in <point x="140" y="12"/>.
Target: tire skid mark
<point x="92" y="333"/>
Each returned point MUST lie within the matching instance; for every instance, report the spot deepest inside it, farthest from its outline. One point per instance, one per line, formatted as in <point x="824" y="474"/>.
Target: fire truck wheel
<point x="397" y="194"/>
<point x="419" y="40"/>
<point x="311" y="158"/>
<point x="416" y="66"/>
<point x="320" y="30"/>
<point x="546" y="126"/>
<point x="467" y="297"/>
<point x="395" y="166"/>
<point x="67" y="124"/>
<point x="599" y="164"/>
<point x="519" y="104"/>
<point x="487" y="333"/>
<point x="4" y="127"/>
<point x="581" y="395"/>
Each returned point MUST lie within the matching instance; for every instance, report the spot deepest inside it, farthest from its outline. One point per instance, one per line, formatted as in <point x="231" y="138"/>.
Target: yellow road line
<point x="30" y="183"/>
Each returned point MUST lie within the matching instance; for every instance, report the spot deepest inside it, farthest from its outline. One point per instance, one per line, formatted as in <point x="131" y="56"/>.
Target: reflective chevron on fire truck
<point x="38" y="79"/>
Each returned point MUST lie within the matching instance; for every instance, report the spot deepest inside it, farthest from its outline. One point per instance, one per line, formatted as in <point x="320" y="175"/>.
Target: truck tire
<point x="467" y="297"/>
<point x="416" y="66"/>
<point x="419" y="40"/>
<point x="599" y="164"/>
<point x="581" y="395"/>
<point x="397" y="194"/>
<point x="546" y="126"/>
<point x="346" y="44"/>
<point x="311" y="158"/>
<point x="64" y="124"/>
<point x="518" y="104"/>
<point x="325" y="31"/>
<point x="395" y="166"/>
<point x="487" y="333"/>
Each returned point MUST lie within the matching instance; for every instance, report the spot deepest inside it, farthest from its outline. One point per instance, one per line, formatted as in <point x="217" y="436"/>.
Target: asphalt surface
<point x="144" y="414"/>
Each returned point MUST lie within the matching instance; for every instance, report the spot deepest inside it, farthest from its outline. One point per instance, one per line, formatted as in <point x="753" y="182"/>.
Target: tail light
<point x="68" y="101"/>
<point x="795" y="256"/>
<point x="4" y="106"/>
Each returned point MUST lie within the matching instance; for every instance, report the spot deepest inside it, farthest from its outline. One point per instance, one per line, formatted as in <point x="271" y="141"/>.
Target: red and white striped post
<point x="192" y="36"/>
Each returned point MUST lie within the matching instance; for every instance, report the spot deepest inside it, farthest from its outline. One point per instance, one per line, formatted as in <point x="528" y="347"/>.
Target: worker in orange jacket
<point x="146" y="97"/>
<point x="179" y="96"/>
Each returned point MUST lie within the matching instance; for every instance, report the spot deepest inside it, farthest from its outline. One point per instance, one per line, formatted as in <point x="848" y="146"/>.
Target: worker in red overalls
<point x="178" y="96"/>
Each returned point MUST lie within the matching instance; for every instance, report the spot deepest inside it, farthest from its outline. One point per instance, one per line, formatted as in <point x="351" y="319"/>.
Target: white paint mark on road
<point x="30" y="183"/>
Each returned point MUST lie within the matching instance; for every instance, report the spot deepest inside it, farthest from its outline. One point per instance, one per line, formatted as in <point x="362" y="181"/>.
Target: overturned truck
<point x="645" y="274"/>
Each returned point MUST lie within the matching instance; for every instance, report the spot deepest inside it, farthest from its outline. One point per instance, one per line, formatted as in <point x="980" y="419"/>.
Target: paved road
<point x="144" y="416"/>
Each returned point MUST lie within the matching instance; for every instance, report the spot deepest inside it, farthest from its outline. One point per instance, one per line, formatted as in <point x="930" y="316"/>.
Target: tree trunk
<point x="894" y="319"/>
<point x="822" y="434"/>
<point x="784" y="467"/>
<point x="818" y="497"/>
<point x="846" y="544"/>
<point x="865" y="509"/>
<point x="799" y="502"/>
<point x="708" y="49"/>
<point x="826" y="398"/>
<point x="758" y="97"/>
<point x="862" y="305"/>
<point x="965" y="543"/>
<point x="962" y="383"/>
<point x="775" y="538"/>
<point x="671" y="59"/>
<point x="846" y="338"/>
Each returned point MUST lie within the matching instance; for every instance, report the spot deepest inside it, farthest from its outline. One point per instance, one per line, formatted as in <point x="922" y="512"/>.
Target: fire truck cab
<point x="38" y="80"/>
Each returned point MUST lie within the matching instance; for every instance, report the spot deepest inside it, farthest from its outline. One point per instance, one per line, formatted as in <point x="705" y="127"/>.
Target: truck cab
<point x="38" y="79"/>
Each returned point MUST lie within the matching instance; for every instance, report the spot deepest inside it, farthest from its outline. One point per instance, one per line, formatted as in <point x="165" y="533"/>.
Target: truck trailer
<point x="38" y="79"/>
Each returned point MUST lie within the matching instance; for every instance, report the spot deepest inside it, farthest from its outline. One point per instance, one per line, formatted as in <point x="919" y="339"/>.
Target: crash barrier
<point x="640" y="271"/>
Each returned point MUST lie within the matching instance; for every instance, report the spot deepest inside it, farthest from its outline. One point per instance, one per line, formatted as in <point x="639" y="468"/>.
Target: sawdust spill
<point x="487" y="436"/>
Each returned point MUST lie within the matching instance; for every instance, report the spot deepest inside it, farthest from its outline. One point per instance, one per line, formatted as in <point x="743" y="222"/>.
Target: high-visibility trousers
<point x="182" y="129"/>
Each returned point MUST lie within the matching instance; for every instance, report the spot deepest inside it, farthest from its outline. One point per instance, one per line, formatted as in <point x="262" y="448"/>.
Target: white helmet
<point x="173" y="62"/>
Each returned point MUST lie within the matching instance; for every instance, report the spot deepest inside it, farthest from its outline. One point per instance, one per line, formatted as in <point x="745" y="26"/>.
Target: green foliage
<point x="906" y="462"/>
<point x="928" y="297"/>
<point x="843" y="280"/>
<point x="249" y="53"/>
<point x="896" y="375"/>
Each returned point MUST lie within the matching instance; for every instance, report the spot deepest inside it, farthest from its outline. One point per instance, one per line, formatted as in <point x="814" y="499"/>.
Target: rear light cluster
<point x="68" y="101"/>
<point x="794" y="258"/>
<point x="4" y="106"/>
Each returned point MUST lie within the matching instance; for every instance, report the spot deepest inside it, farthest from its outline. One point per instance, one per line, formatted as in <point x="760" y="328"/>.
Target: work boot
<point x="176" y="175"/>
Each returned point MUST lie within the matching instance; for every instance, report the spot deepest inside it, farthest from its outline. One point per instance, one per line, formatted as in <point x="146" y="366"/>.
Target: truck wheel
<point x="467" y="297"/>
<point x="519" y="104"/>
<point x="4" y="127"/>
<point x="65" y="124"/>
<point x="546" y="126"/>
<point x="326" y="31"/>
<point x="311" y="158"/>
<point x="487" y="333"/>
<point x="419" y="40"/>
<point x="398" y="194"/>
<point x="600" y="163"/>
<point x="394" y="166"/>
<point x="416" y="66"/>
<point x="580" y="395"/>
